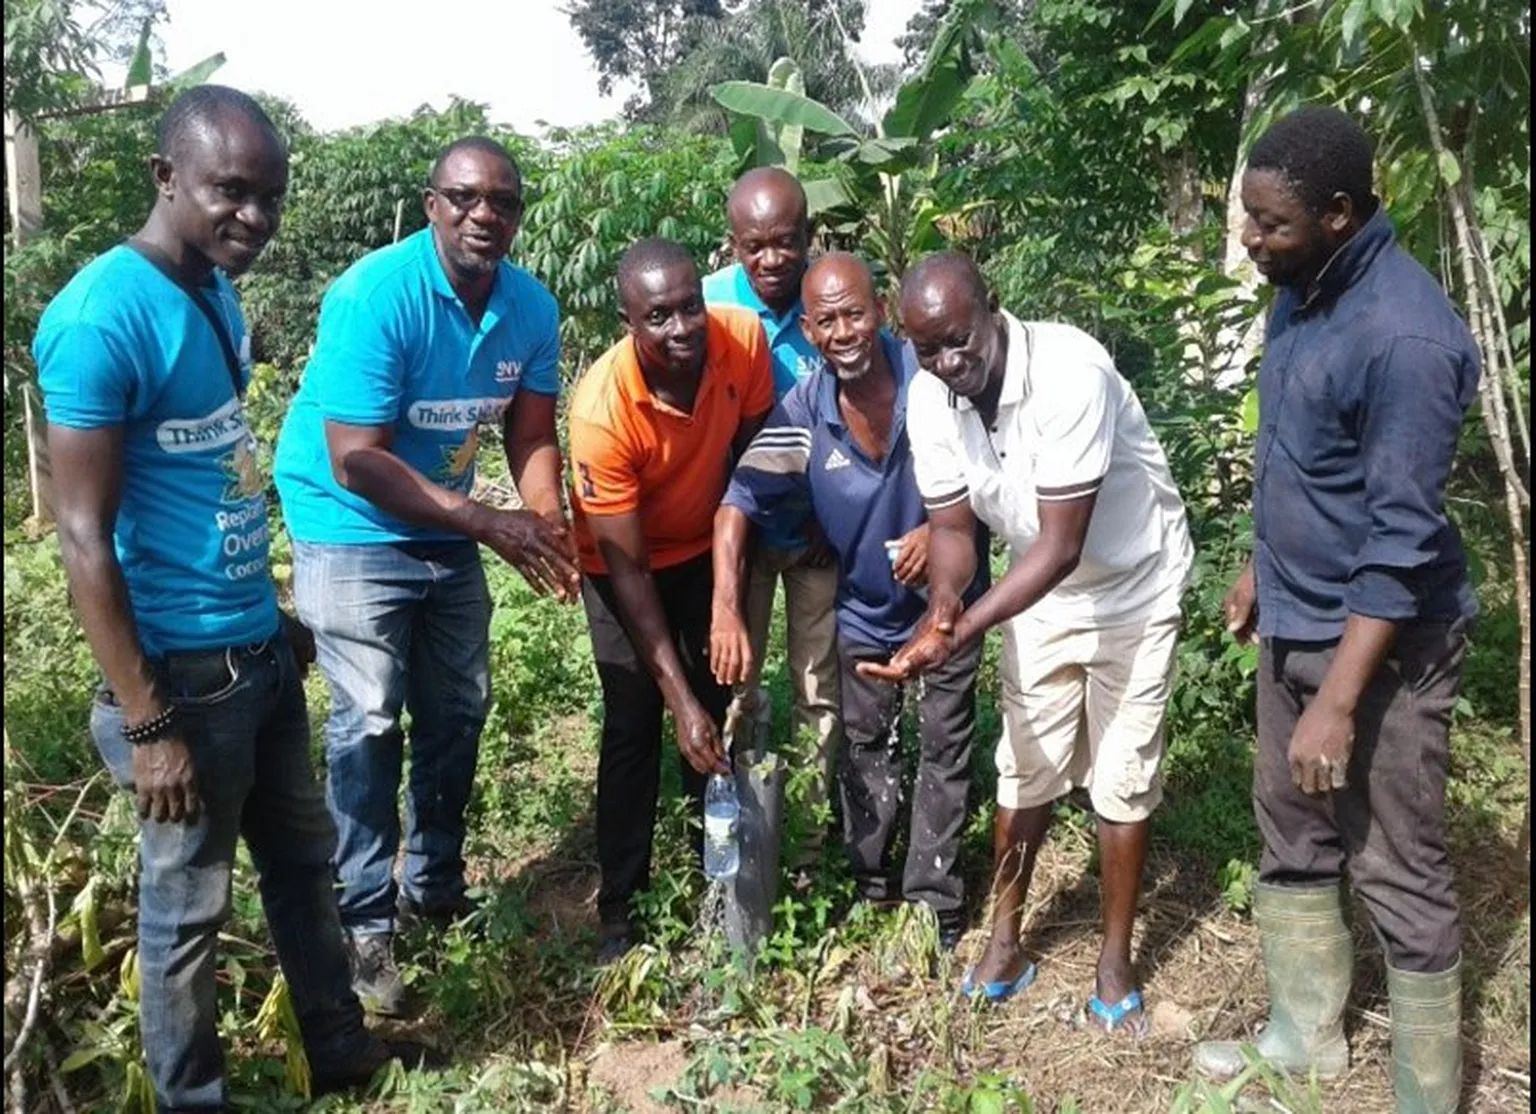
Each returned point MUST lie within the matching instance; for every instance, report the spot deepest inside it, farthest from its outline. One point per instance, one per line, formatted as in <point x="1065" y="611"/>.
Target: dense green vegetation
<point x="1084" y="154"/>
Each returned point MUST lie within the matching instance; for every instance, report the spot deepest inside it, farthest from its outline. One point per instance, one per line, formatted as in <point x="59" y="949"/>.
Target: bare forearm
<point x="951" y="567"/>
<point x="1360" y="653"/>
<point x="101" y="598"/>
<point x="1042" y="567"/>
<point x="732" y="540"/>
<point x="400" y="491"/>
<point x="535" y="469"/>
<point x="642" y="615"/>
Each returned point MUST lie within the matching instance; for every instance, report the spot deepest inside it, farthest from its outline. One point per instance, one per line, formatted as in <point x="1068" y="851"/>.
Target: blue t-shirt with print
<point x="795" y="359"/>
<point x="397" y="348"/>
<point x="123" y="345"/>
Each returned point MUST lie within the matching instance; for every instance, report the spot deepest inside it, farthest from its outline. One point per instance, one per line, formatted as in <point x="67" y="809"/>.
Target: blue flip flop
<point x="996" y="992"/>
<point x="1113" y="1018"/>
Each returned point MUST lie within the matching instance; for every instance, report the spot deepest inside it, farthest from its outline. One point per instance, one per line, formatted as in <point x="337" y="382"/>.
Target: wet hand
<point x="699" y="740"/>
<point x="929" y="650"/>
<point x="1320" y="748"/>
<point x="165" y="782"/>
<point x="540" y="548"/>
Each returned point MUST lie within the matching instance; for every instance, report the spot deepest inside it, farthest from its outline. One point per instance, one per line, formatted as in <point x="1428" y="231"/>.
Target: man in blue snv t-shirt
<point x="143" y="358"/>
<point x="421" y="345"/>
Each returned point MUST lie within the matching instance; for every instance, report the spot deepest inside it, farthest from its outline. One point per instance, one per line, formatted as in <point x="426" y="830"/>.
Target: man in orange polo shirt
<point x="654" y="426"/>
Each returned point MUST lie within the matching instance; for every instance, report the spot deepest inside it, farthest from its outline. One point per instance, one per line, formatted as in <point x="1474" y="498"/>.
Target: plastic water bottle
<point x="722" y="816"/>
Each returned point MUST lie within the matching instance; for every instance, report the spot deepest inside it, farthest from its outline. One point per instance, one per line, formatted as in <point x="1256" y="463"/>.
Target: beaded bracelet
<point x="153" y="729"/>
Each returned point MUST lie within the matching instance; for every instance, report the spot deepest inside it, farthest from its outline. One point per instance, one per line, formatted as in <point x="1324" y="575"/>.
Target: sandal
<point x="996" y="992"/>
<point x="1118" y="1017"/>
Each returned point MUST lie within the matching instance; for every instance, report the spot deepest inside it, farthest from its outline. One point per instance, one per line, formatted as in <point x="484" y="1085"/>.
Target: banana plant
<point x="871" y="190"/>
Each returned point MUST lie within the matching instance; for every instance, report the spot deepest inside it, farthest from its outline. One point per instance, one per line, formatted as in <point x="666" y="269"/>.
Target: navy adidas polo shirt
<point x="806" y="450"/>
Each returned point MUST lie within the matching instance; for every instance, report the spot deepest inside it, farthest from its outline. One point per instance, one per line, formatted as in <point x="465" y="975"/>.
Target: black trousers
<point x="869" y="778"/>
<point x="629" y="761"/>
<point x="1387" y="827"/>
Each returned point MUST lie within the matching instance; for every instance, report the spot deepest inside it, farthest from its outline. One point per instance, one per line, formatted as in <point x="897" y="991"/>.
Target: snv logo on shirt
<point x="509" y="371"/>
<point x="455" y="415"/>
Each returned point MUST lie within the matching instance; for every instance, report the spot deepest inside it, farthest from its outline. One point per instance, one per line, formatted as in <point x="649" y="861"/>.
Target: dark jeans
<point x="1388" y="826"/>
<point x="398" y="627"/>
<point x="629" y="762"/>
<point x="245" y="722"/>
<point x="870" y="777"/>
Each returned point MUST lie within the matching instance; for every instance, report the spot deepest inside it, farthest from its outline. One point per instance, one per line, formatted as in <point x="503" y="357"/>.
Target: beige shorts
<point x="1085" y="707"/>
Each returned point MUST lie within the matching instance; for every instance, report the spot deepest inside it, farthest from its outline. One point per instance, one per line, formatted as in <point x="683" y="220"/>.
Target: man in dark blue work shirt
<point x="1358" y="593"/>
<point x="840" y="440"/>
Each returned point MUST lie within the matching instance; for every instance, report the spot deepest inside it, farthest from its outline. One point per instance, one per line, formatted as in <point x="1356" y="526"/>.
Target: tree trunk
<point x="1476" y="280"/>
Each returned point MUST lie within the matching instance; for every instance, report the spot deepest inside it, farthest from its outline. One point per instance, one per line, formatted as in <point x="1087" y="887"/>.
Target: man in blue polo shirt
<point x="421" y="344"/>
<point x="143" y="360"/>
<point x="838" y="441"/>
<point x="771" y="238"/>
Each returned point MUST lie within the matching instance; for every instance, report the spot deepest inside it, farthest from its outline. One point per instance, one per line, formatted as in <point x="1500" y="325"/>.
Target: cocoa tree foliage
<point x="603" y="189"/>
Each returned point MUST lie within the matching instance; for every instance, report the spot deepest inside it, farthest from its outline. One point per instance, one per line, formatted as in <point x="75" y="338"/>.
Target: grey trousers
<point x="1387" y="826"/>
<point x="869" y="778"/>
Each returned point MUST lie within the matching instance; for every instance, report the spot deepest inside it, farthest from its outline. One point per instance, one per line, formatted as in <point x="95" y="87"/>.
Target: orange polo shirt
<point x="630" y="452"/>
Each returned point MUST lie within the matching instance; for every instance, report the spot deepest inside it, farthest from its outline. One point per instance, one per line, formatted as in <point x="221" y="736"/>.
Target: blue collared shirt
<point x="805" y="451"/>
<point x="397" y="348"/>
<point x="1364" y="384"/>
<point x="795" y="358"/>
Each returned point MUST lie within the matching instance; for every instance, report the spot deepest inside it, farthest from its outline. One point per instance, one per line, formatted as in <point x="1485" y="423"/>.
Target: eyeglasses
<point x="505" y="204"/>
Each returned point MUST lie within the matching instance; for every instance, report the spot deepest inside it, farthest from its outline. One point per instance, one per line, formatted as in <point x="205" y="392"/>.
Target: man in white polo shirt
<point x="1029" y="427"/>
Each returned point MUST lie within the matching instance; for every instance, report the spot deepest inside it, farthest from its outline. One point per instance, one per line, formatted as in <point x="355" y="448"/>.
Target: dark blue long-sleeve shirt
<point x="1365" y="380"/>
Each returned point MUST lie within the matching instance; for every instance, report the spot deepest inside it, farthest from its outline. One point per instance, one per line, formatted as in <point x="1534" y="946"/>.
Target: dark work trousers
<point x="1387" y="827"/>
<point x="629" y="761"/>
<point x="869" y="777"/>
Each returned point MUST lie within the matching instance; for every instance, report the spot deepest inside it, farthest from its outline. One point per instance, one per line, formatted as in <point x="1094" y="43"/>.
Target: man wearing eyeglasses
<point x="421" y="345"/>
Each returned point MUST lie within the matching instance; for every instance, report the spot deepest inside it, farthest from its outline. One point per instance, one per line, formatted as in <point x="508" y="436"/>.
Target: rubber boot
<point x="1426" y="1040"/>
<point x="1307" y="959"/>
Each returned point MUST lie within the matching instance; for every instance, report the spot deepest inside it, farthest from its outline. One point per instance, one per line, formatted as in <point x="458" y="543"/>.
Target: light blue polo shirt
<point x="396" y="347"/>
<point x="795" y="359"/>
<point x="123" y="346"/>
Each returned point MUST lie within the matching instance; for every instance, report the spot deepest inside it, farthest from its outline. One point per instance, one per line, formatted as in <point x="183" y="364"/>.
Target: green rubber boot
<point x="1426" y="1040"/>
<point x="1307" y="960"/>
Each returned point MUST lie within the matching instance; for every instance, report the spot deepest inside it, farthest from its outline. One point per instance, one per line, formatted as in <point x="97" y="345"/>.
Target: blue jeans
<point x="245" y="722"/>
<point x="398" y="627"/>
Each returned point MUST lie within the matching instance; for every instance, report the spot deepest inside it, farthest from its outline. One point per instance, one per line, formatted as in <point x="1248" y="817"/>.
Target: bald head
<point x="946" y="272"/>
<point x="770" y="234"/>
<point x="768" y="191"/>
<point x="843" y="316"/>
<point x="953" y="323"/>
<point x="834" y="272"/>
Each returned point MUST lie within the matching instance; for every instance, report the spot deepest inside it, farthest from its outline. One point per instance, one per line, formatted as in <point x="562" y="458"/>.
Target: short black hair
<point x="948" y="263"/>
<point x="654" y="253"/>
<point x="482" y="143"/>
<point x="197" y="109"/>
<point x="1320" y="152"/>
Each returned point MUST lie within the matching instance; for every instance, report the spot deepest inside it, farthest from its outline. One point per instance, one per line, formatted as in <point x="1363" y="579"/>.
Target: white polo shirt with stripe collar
<point x="1066" y="419"/>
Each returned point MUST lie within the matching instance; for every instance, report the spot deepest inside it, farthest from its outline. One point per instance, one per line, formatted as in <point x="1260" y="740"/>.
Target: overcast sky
<point x="346" y="62"/>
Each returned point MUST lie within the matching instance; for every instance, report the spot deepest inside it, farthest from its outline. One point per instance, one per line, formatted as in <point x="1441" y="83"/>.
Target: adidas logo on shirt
<point x="835" y="460"/>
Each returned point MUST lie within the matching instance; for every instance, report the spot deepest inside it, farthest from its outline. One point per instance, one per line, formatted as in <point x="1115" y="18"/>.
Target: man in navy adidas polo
<point x="838" y="441"/>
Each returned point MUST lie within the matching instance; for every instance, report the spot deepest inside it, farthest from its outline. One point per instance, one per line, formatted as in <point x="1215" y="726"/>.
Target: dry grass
<point x="1201" y="976"/>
